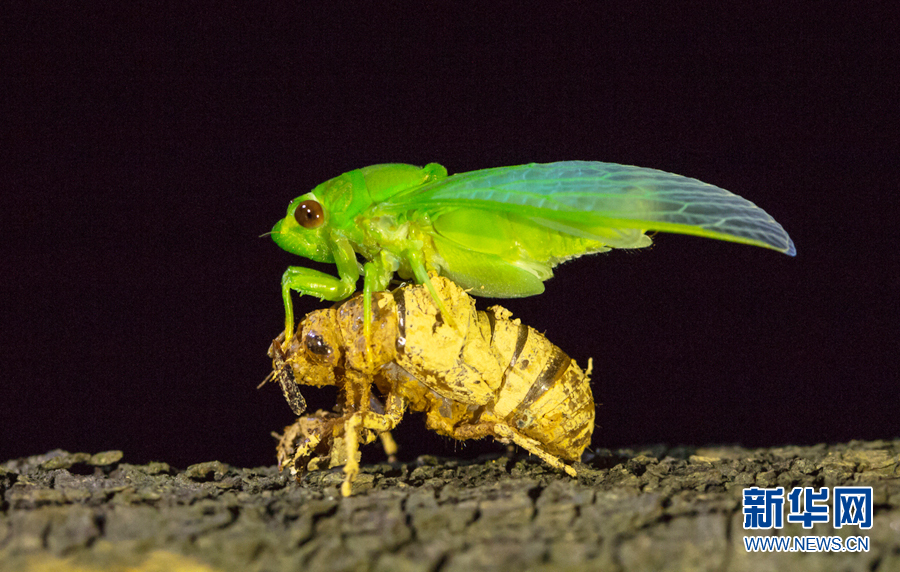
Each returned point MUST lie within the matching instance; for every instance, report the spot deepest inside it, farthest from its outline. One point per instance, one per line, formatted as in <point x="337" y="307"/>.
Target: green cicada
<point x="497" y="232"/>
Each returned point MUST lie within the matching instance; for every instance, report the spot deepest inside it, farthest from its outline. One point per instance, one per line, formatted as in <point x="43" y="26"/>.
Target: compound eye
<point x="309" y="214"/>
<point x="316" y="345"/>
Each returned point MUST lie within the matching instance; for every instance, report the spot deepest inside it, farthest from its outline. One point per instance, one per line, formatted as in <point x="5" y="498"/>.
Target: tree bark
<point x="659" y="508"/>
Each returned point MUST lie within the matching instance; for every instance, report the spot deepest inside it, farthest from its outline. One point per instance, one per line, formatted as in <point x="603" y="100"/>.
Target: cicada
<point x="486" y="376"/>
<point x="497" y="232"/>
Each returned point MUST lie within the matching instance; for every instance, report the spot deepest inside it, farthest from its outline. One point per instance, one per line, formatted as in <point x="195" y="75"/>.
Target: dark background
<point x="148" y="148"/>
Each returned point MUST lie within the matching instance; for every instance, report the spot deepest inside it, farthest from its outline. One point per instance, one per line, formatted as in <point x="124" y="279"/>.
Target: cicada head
<point x="304" y="231"/>
<point x="314" y="354"/>
<point x="335" y="205"/>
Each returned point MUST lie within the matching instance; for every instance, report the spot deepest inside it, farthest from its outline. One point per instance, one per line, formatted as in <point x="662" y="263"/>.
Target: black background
<point x="147" y="149"/>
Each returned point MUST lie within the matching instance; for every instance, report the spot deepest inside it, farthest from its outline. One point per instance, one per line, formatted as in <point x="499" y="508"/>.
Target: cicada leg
<point x="389" y="445"/>
<point x="506" y="433"/>
<point x="417" y="262"/>
<point x="285" y="376"/>
<point x="311" y="282"/>
<point x="323" y="286"/>
<point x="371" y="421"/>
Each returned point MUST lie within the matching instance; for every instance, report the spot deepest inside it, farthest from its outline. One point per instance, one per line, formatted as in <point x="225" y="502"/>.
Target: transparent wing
<point x="581" y="195"/>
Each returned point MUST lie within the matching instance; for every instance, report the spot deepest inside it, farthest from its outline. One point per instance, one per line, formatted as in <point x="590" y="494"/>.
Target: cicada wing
<point x="500" y="254"/>
<point x="488" y="274"/>
<point x="601" y="198"/>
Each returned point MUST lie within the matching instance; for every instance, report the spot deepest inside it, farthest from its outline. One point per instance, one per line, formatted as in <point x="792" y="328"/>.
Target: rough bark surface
<point x="660" y="508"/>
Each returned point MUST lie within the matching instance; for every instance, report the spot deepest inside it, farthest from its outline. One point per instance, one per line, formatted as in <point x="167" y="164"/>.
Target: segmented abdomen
<point x="487" y="368"/>
<point x="543" y="392"/>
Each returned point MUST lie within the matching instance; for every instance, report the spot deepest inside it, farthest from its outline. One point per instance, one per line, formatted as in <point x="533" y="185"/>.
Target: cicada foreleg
<point x="368" y="421"/>
<point x="283" y="373"/>
<point x="309" y="282"/>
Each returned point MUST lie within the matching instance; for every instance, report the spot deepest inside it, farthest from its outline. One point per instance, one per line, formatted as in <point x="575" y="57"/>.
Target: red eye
<point x="309" y="214"/>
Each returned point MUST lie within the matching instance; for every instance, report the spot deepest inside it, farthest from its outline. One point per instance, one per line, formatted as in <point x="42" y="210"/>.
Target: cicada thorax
<point x="453" y="361"/>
